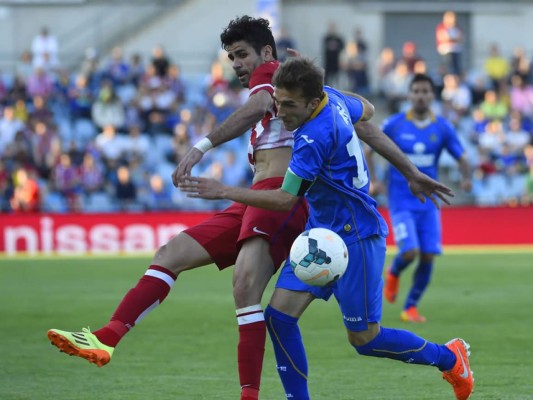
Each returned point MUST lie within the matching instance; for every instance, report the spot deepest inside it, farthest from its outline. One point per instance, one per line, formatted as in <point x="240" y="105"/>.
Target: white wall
<point x="191" y="33"/>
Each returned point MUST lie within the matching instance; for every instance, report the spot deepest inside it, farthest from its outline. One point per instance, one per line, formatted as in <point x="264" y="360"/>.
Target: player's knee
<point x="170" y="259"/>
<point x="360" y="338"/>
<point x="410" y="255"/>
<point x="427" y="257"/>
<point x="243" y="287"/>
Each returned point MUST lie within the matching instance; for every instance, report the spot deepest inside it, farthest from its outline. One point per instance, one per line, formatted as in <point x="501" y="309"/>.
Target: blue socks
<point x="398" y="265"/>
<point x="407" y="347"/>
<point x="421" y="280"/>
<point x="290" y="353"/>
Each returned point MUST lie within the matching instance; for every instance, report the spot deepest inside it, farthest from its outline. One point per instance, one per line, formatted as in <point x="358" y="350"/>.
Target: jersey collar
<point x="320" y="107"/>
<point x="411" y="116"/>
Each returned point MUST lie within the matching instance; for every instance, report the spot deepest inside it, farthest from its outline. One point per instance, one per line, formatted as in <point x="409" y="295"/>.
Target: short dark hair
<point x="300" y="73"/>
<point x="422" y="78"/>
<point x="254" y="31"/>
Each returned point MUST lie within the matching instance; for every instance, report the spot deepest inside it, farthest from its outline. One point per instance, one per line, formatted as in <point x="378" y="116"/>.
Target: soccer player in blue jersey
<point x="416" y="226"/>
<point x="329" y="169"/>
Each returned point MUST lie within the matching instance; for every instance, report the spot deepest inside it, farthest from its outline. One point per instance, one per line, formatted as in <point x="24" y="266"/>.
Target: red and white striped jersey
<point x="268" y="133"/>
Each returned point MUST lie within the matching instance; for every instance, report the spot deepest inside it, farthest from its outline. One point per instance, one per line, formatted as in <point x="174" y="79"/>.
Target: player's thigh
<point x="429" y="229"/>
<point x="213" y="240"/>
<point x="404" y="229"/>
<point x="359" y="291"/>
<point x="181" y="253"/>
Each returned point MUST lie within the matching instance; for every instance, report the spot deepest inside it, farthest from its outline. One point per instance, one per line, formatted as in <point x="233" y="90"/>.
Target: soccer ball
<point x="318" y="256"/>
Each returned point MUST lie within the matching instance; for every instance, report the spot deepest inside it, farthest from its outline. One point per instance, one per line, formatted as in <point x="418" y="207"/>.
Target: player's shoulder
<point x="444" y="124"/>
<point x="394" y="119"/>
<point x="267" y="68"/>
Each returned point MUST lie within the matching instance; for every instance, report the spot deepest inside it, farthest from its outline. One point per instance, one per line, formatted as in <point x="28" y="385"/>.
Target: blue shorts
<point x="417" y="230"/>
<point x="359" y="291"/>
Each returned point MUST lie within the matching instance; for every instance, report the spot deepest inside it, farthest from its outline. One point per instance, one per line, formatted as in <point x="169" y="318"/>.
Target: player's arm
<point x="242" y="119"/>
<point x="421" y="185"/>
<point x="282" y="199"/>
<point x="234" y="126"/>
<point x="466" y="173"/>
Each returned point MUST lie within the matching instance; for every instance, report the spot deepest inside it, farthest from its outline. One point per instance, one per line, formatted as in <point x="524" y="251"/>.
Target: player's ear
<point x="267" y="53"/>
<point x="314" y="103"/>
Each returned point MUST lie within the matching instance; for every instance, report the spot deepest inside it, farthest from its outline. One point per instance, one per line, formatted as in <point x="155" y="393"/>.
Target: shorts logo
<point x="256" y="230"/>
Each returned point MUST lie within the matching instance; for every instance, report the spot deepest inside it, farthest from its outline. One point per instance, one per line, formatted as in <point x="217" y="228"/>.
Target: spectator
<point x="456" y="97"/>
<point x="356" y="67"/>
<point x="332" y="45"/>
<point x="125" y="189"/>
<point x="91" y="175"/>
<point x="66" y="181"/>
<point x="159" y="195"/>
<point x="521" y="96"/>
<point x="284" y="42"/>
<point x="45" y="49"/>
<point x="6" y="187"/>
<point x="385" y="65"/>
<point x="449" y="42"/>
<point x="40" y="83"/>
<point x="117" y="70"/>
<point x="496" y="67"/>
<point x="520" y="64"/>
<point x="46" y="148"/>
<point x="396" y="86"/>
<point x="24" y="66"/>
<point x="9" y="126"/>
<point x="160" y="61"/>
<point x="26" y="194"/>
<point x="493" y="106"/>
<point x="107" y="109"/>
<point x="410" y="56"/>
<point x="110" y="146"/>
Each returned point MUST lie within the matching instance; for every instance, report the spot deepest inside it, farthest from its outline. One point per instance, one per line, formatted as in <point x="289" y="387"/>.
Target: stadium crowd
<point x="106" y="136"/>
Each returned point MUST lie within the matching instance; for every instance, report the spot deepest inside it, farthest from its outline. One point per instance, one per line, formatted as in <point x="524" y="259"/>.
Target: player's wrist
<point x="204" y="145"/>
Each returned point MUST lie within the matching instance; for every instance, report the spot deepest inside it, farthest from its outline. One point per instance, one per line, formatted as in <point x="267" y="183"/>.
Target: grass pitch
<point x="186" y="349"/>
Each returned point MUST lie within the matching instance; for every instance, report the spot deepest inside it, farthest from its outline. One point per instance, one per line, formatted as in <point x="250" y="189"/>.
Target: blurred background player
<point x="422" y="136"/>
<point x="329" y="169"/>
<point x="256" y="241"/>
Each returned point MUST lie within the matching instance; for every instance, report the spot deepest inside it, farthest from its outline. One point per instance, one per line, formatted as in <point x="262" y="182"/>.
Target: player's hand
<point x="183" y="170"/>
<point x="376" y="187"/>
<point x="422" y="186"/>
<point x="293" y="52"/>
<point x="203" y="188"/>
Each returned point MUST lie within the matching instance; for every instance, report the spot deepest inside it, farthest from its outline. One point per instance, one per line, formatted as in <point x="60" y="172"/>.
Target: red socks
<point x="150" y="291"/>
<point x="251" y="349"/>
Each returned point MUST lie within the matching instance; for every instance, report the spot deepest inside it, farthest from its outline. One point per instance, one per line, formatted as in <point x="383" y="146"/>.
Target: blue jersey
<point x="423" y="144"/>
<point x="327" y="152"/>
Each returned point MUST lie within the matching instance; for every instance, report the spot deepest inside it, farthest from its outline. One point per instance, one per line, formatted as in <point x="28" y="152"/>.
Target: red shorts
<point x="223" y="234"/>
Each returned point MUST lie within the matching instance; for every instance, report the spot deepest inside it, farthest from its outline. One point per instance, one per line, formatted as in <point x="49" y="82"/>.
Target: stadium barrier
<point x="73" y="234"/>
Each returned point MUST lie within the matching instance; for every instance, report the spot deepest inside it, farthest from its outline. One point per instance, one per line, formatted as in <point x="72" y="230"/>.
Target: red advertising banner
<point x="145" y="232"/>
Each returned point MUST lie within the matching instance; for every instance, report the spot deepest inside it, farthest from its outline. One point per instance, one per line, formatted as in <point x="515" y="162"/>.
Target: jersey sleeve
<point x="355" y="108"/>
<point x="453" y="145"/>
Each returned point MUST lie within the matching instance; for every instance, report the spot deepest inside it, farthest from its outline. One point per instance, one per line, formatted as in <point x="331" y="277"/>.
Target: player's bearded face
<point x="421" y="96"/>
<point x="245" y="60"/>
<point x="293" y="109"/>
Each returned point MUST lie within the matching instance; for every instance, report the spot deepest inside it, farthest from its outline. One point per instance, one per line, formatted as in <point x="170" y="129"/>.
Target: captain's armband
<point x="295" y="185"/>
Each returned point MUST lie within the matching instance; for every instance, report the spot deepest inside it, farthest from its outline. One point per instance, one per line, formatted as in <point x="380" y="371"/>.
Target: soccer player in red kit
<point x="256" y="241"/>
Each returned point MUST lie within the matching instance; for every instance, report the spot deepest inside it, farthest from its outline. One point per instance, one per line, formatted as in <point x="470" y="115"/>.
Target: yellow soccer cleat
<point x="460" y="376"/>
<point x="412" y="315"/>
<point x="83" y="344"/>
